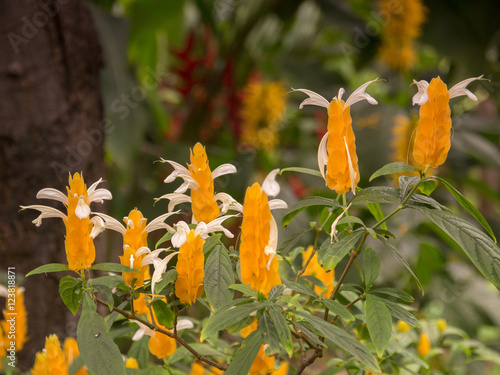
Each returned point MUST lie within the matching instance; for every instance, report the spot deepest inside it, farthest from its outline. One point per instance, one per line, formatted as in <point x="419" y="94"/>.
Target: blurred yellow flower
<point x="51" y="361"/>
<point x="314" y="269"/>
<point x="402" y="326"/>
<point x="131" y="363"/>
<point x="262" y="111"/>
<point x="404" y="19"/>
<point x="441" y="324"/>
<point x="71" y="351"/>
<point x="424" y="344"/>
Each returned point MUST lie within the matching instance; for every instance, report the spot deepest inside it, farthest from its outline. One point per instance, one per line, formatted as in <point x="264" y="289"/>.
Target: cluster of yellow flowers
<point x="261" y="114"/>
<point x="20" y="335"/>
<point x="424" y="345"/>
<point x="53" y="360"/>
<point x="403" y="25"/>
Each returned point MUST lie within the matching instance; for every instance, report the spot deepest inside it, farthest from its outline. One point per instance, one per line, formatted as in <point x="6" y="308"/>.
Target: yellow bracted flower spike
<point x="204" y="206"/>
<point x="71" y="352"/>
<point x="314" y="269"/>
<point x="341" y="148"/>
<point x="52" y="360"/>
<point x="190" y="272"/>
<point x="80" y="249"/>
<point x="134" y="238"/>
<point x="161" y="345"/>
<point x="256" y="270"/>
<point x="433" y="134"/>
<point x="21" y="322"/>
<point x="262" y="110"/>
<point x="403" y="27"/>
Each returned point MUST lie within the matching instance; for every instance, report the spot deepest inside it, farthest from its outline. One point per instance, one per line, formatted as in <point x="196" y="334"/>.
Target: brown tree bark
<point x="50" y="125"/>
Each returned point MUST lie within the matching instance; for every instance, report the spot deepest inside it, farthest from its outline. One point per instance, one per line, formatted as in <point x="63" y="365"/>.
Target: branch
<point x="176" y="337"/>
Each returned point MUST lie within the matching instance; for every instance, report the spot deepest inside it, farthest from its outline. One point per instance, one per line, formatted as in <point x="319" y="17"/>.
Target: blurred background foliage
<point x="221" y="72"/>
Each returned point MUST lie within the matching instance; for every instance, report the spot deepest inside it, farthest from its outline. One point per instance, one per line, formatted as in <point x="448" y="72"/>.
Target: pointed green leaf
<point x="313" y="172"/>
<point x="371" y="265"/>
<point x="211" y="242"/>
<point x="225" y="317"/>
<point x="427" y="186"/>
<point x="351" y="220"/>
<point x="341" y="338"/>
<point x="76" y="365"/>
<point x="399" y="312"/>
<point x="166" y="237"/>
<point x="338" y="309"/>
<point x="400" y="294"/>
<point x="377" y="213"/>
<point x="46" y="268"/>
<point x="109" y="281"/>
<point x="244" y="358"/>
<point x="303" y="204"/>
<point x="330" y="254"/>
<point x="291" y="240"/>
<point x="468" y="206"/>
<point x="107" y="294"/>
<point x="70" y="290"/>
<point x="480" y="248"/>
<point x="403" y="262"/>
<point x="405" y="185"/>
<point x="100" y="354"/>
<point x="168" y="277"/>
<point x="218" y="277"/>
<point x="392" y="168"/>
<point x="379" y="322"/>
<point x="281" y="326"/>
<point x="300" y="288"/>
<point x="113" y="267"/>
<point x="163" y="313"/>
<point x="270" y="334"/>
<point x="276" y="291"/>
<point x="376" y="194"/>
<point x="245" y="289"/>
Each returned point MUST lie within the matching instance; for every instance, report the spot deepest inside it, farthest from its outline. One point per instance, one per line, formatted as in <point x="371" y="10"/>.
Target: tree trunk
<point x="50" y="125"/>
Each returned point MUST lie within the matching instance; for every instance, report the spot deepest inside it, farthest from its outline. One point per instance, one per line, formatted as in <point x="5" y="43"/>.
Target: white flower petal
<point x="335" y="222"/>
<point x="228" y="203"/>
<point x="98" y="226"/>
<point x="3" y="291"/>
<point x="179" y="171"/>
<point x="460" y="88"/>
<point x="270" y="186"/>
<point x="143" y="329"/>
<point x="270" y="249"/>
<point x="184" y="324"/>
<point x="82" y="210"/>
<point x="158" y="222"/>
<point x="56" y="195"/>
<point x="314" y="99"/>
<point x="99" y="195"/>
<point x="189" y="183"/>
<point x="160" y="269"/>
<point x="341" y="93"/>
<point x="359" y="94"/>
<point x="152" y="257"/>
<point x="352" y="173"/>
<point x="91" y="189"/>
<point x="277" y="204"/>
<point x="142" y="250"/>
<point x="323" y="155"/>
<point x="222" y="170"/>
<point x="111" y="223"/>
<point x="181" y="232"/>
<point x="201" y="229"/>
<point x="175" y="199"/>
<point x="45" y="212"/>
<point x="421" y="96"/>
<point x="216" y="225"/>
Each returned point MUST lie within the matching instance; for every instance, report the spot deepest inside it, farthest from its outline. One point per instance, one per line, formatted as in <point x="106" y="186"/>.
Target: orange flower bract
<point x="255" y="235"/>
<point x="204" y="206"/>
<point x="314" y="269"/>
<point x="161" y="345"/>
<point x="52" y="360"/>
<point x="190" y="273"/>
<point x="433" y="134"/>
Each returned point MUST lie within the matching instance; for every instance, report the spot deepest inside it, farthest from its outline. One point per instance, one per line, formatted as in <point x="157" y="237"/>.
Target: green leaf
<point x="281" y="326"/>
<point x="168" y="277"/>
<point x="400" y="294"/>
<point x="218" y="277"/>
<point x="113" y="267"/>
<point x="303" y="204"/>
<point x="300" y="288"/>
<point x="379" y="322"/>
<point x="376" y="194"/>
<point x="99" y="352"/>
<point x="266" y="326"/>
<point x="330" y="254"/>
<point x="211" y="242"/>
<point x="371" y="264"/>
<point x="313" y="172"/>
<point x="107" y="293"/>
<point x="377" y="213"/>
<point x="392" y="168"/>
<point x="225" y="317"/>
<point x="164" y="315"/>
<point x="202" y="349"/>
<point x="309" y="334"/>
<point x="276" y="291"/>
<point x="399" y="312"/>
<point x="245" y="289"/>
<point x="403" y="262"/>
<point x="46" y="268"/>
<point x="480" y="248"/>
<point x="341" y="338"/>
<point x="351" y="220"/>
<point x="405" y="185"/>
<point x="76" y="365"/>
<point x="427" y="186"/>
<point x="290" y="242"/>
<point x="140" y="351"/>
<point x="338" y="309"/>
<point x="166" y="237"/>
<point x="70" y="290"/>
<point x="420" y="199"/>
<point x="109" y="281"/>
<point x="468" y="206"/>
<point x="244" y="358"/>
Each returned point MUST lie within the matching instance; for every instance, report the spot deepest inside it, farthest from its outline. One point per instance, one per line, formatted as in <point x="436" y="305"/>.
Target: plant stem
<point x="176" y="337"/>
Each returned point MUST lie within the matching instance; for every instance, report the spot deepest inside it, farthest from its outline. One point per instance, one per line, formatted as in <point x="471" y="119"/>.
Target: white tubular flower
<point x="352" y="173"/>
<point x="270" y="186"/>
<point x="145" y="330"/>
<point x="421" y="96"/>
<point x="45" y="212"/>
<point x="113" y="224"/>
<point x="460" y="88"/>
<point x="314" y="99"/>
<point x="184" y="324"/>
<point x="270" y="249"/>
<point x="97" y="195"/>
<point x="180" y="236"/>
<point x="181" y="230"/>
<point x="333" y="232"/>
<point x="228" y="203"/>
<point x="160" y="270"/>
